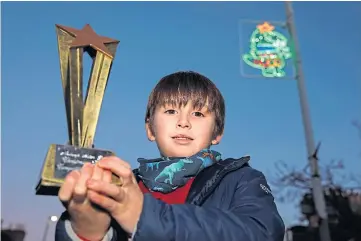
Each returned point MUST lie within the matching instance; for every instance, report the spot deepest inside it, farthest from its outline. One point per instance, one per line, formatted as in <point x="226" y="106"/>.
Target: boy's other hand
<point x="87" y="221"/>
<point x="125" y="202"/>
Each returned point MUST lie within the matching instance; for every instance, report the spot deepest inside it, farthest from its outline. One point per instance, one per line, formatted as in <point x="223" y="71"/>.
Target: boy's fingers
<point x="103" y="201"/>
<point x="115" y="159"/>
<point x="66" y="190"/>
<point x="115" y="165"/>
<point x="107" y="189"/>
<point x="107" y="176"/>
<point x="85" y="174"/>
<point x="97" y="173"/>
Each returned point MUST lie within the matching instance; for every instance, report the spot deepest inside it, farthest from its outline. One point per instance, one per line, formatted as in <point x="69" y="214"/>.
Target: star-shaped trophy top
<point x="265" y="27"/>
<point x="88" y="37"/>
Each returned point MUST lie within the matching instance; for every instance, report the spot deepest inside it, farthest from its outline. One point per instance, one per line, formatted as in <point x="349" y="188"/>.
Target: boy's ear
<point x="149" y="131"/>
<point x="217" y="139"/>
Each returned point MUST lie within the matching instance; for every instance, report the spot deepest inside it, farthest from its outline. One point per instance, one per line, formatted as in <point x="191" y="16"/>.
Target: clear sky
<point x="263" y="115"/>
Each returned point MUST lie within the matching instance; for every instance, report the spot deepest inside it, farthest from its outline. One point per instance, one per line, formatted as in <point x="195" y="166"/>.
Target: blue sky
<point x="263" y="115"/>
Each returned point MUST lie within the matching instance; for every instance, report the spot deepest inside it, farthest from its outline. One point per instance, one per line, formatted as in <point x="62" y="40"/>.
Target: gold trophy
<point x="82" y="116"/>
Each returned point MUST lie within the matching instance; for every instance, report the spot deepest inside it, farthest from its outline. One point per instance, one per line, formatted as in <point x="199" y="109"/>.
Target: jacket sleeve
<point x="64" y="231"/>
<point x="253" y="216"/>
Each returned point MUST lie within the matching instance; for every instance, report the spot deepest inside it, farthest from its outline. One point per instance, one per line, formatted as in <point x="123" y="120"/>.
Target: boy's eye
<point x="171" y="112"/>
<point x="198" y="114"/>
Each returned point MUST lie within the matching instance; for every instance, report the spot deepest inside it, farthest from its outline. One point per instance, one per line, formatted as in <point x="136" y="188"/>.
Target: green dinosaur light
<point x="268" y="51"/>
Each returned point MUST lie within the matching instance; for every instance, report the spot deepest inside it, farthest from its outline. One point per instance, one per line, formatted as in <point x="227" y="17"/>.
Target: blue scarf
<point x="166" y="174"/>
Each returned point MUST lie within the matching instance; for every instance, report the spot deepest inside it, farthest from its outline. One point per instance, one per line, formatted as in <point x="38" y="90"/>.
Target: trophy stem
<point x="97" y="84"/>
<point x="76" y="95"/>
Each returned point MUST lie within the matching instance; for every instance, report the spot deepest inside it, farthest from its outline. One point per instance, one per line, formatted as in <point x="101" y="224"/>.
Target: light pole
<point x="49" y="220"/>
<point x="317" y="190"/>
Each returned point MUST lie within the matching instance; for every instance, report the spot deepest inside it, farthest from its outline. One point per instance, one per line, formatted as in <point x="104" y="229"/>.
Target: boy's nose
<point x="183" y="123"/>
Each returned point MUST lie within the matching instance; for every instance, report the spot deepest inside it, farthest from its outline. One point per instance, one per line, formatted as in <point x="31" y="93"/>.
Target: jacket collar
<point x="207" y="180"/>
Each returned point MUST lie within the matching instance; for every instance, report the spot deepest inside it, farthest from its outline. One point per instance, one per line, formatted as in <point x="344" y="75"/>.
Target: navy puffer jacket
<point x="228" y="201"/>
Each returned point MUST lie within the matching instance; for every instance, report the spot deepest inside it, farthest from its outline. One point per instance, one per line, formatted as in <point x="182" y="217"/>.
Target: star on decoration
<point x="87" y="37"/>
<point x="265" y="27"/>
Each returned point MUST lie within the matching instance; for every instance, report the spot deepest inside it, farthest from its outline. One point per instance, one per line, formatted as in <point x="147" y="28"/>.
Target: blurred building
<point x="12" y="233"/>
<point x="344" y="213"/>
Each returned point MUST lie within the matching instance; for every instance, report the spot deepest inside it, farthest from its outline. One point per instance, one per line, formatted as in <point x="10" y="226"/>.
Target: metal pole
<point x="317" y="189"/>
<point x="45" y="234"/>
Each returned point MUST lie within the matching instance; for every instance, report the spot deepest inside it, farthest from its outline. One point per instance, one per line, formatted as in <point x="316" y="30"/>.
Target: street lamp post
<point x="49" y="220"/>
<point x="317" y="190"/>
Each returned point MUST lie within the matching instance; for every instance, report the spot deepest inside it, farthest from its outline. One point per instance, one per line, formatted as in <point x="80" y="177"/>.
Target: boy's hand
<point x="86" y="220"/>
<point x="125" y="202"/>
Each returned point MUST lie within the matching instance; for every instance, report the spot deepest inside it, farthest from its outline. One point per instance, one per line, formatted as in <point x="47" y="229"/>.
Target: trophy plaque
<point x="81" y="113"/>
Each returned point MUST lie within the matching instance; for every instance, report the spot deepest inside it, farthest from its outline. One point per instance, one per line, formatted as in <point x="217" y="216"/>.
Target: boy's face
<point x="182" y="131"/>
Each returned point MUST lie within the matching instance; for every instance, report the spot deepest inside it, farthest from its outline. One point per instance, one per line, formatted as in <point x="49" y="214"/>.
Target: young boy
<point x="188" y="194"/>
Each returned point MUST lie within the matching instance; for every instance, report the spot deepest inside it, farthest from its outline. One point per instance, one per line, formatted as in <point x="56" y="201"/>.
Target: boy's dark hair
<point x="178" y="88"/>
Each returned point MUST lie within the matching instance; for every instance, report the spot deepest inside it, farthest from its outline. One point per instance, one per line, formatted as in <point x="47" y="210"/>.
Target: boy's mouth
<point x="182" y="137"/>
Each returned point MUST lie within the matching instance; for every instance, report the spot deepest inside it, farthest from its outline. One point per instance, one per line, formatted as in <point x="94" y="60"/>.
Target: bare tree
<point x="289" y="183"/>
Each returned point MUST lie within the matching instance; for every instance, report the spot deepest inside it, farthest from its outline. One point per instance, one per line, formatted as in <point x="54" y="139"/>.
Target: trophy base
<point x="61" y="160"/>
